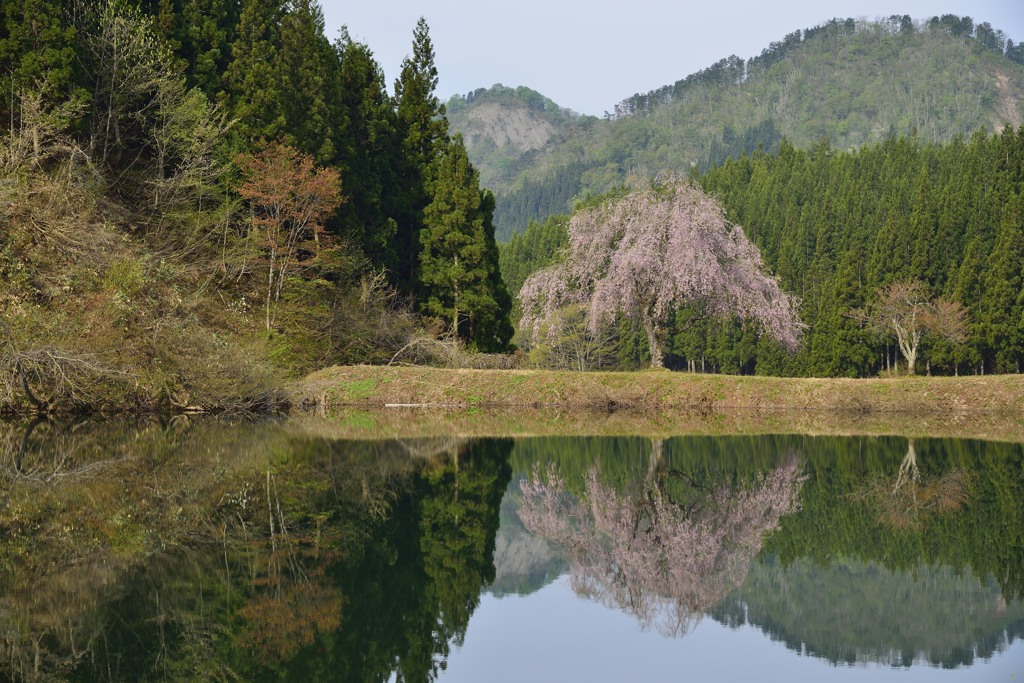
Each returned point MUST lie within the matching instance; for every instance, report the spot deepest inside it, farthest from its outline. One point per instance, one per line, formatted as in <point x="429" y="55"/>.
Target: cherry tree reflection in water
<point x="662" y="561"/>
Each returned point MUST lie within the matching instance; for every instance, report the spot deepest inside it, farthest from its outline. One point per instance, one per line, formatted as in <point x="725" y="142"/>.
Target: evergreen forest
<point x="836" y="227"/>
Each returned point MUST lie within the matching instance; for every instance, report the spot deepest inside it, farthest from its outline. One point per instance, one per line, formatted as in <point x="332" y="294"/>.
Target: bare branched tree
<point x="910" y="499"/>
<point x="39" y="131"/>
<point x="904" y="310"/>
<point x="68" y="378"/>
<point x="125" y="63"/>
<point x="577" y="345"/>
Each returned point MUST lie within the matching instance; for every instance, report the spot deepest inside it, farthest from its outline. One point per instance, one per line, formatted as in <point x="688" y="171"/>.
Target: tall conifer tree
<point x="494" y="333"/>
<point x="421" y="115"/>
<point x="367" y="153"/>
<point x="308" y="72"/>
<point x="423" y="129"/>
<point x="1000" y="314"/>
<point x="925" y="264"/>
<point x="206" y="33"/>
<point x="459" y="260"/>
<point x="253" y="78"/>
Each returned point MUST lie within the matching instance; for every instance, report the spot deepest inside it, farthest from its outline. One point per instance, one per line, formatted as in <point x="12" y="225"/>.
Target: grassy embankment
<point x="367" y="401"/>
<point x="365" y="385"/>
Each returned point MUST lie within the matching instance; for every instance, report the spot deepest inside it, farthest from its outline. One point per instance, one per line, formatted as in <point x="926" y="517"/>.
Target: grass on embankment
<point x="654" y="391"/>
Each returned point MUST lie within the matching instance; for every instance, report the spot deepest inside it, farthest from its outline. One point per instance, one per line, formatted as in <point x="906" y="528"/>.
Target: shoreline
<point x="372" y="423"/>
<point x="986" y="406"/>
<point x="651" y="391"/>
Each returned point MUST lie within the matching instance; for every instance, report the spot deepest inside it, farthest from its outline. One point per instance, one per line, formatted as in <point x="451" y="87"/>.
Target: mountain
<point x="505" y="128"/>
<point x="854" y="613"/>
<point x="523" y="563"/>
<point x="851" y="81"/>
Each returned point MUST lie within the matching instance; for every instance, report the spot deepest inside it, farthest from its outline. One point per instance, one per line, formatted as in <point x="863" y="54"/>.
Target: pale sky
<point x="589" y="54"/>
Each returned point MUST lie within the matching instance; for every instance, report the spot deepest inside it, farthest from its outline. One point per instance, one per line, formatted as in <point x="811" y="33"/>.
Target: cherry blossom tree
<point x="662" y="562"/>
<point x="651" y="252"/>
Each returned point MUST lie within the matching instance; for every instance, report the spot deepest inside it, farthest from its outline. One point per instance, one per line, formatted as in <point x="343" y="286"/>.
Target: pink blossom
<point x="660" y="562"/>
<point x="654" y="251"/>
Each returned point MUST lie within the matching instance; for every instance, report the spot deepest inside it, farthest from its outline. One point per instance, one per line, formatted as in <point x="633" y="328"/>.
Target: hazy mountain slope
<point x="852" y="81"/>
<point x="505" y="127"/>
<point x="855" y="612"/>
<point x="523" y="563"/>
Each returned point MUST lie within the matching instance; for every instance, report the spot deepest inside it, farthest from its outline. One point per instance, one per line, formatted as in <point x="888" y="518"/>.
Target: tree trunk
<point x="909" y="341"/>
<point x="908" y="468"/>
<point x="656" y="462"/>
<point x="455" y="301"/>
<point x="654" y="344"/>
<point x="270" y="287"/>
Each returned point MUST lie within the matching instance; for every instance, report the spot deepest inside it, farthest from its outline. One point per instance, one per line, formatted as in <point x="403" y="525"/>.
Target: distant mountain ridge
<point x="505" y="127"/>
<point x="851" y="81"/>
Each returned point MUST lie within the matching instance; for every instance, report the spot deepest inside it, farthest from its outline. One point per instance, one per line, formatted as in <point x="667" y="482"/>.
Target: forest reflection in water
<point x="225" y="551"/>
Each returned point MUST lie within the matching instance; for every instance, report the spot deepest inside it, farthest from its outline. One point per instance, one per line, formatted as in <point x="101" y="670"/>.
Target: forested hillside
<point x="838" y="226"/>
<point x="851" y="81"/>
<point x="200" y="197"/>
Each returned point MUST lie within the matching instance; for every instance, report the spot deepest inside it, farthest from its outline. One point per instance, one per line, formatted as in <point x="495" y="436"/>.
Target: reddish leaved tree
<point x="651" y="252"/>
<point x="290" y="199"/>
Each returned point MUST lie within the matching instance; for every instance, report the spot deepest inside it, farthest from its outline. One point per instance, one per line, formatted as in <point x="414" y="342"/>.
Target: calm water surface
<point x="224" y="551"/>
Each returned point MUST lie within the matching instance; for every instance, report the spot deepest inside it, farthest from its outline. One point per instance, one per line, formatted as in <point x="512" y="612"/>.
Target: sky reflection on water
<point x="553" y="635"/>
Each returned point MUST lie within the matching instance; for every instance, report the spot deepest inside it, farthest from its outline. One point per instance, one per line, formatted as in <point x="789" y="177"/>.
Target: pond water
<point x="220" y="551"/>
